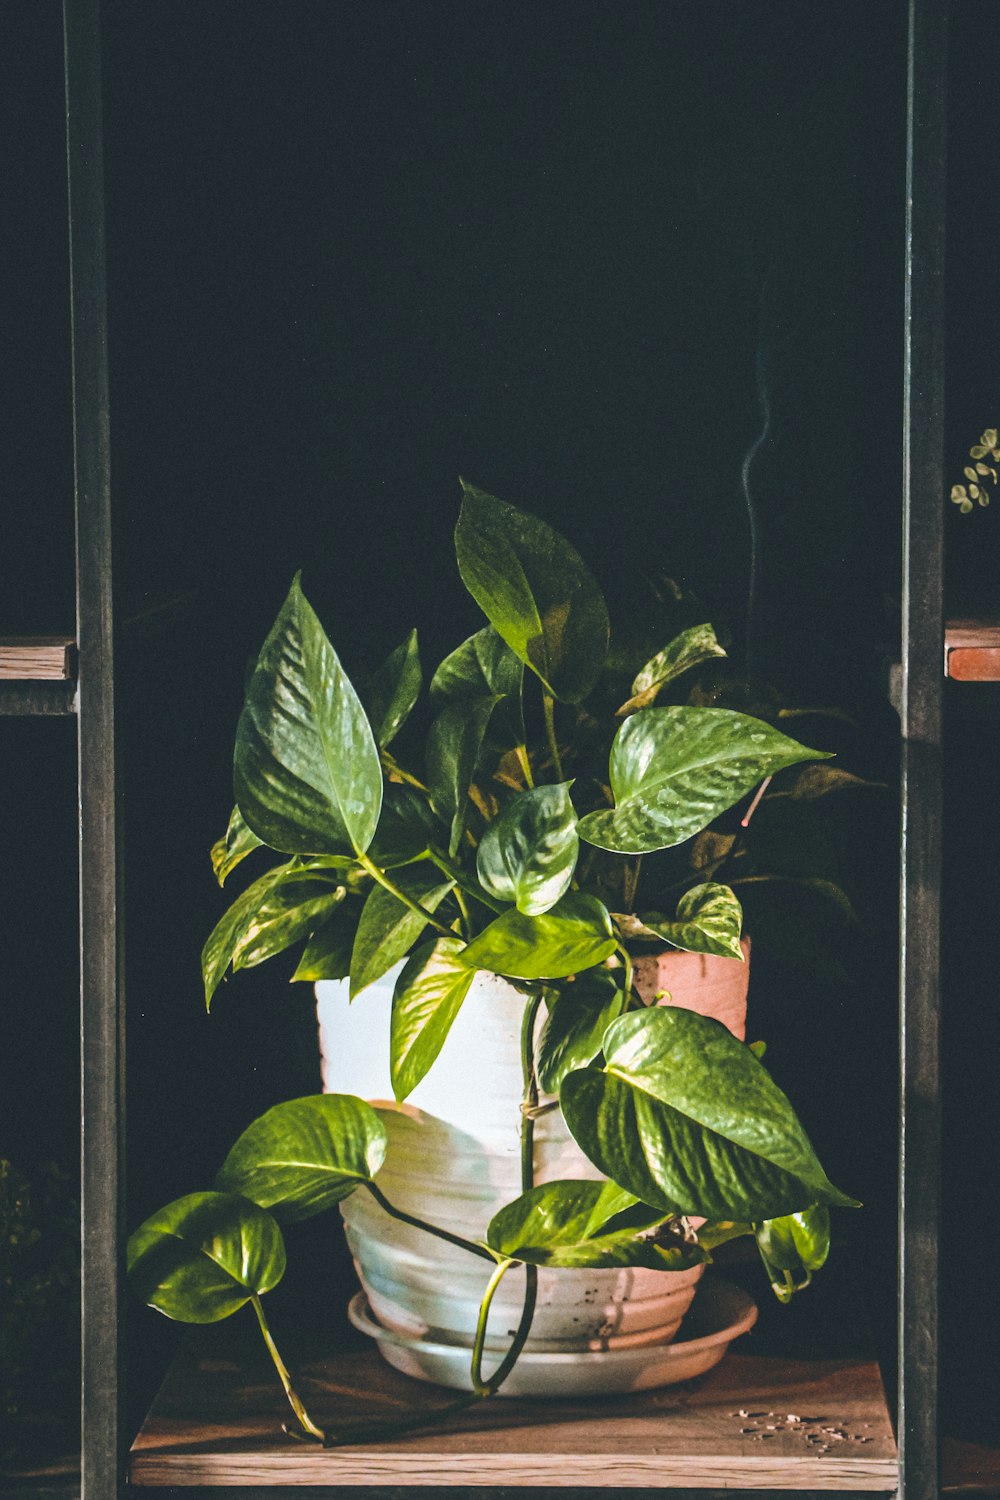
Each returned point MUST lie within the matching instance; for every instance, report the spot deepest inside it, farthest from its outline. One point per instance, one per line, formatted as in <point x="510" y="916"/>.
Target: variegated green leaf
<point x="709" y="920"/>
<point x="306" y="769"/>
<point x="574" y="935"/>
<point x="590" y="1224"/>
<point x="690" y="649"/>
<point x="454" y="742"/>
<point x="428" y="996"/>
<point x="528" y="854"/>
<point x="579" y="1013"/>
<point x="675" y="769"/>
<point x="237" y="842"/>
<point x="394" y="690"/>
<point x="388" y="929"/>
<point x="685" y="1117"/>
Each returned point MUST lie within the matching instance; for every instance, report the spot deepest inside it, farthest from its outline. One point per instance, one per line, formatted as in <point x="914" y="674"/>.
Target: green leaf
<point x="428" y="996"/>
<point x="394" y="689"/>
<point x="217" y="954"/>
<point x="305" y="1155"/>
<point x="574" y="935"/>
<point x="306" y="771"/>
<point x="202" y="1257"/>
<point x="237" y="842"/>
<point x="536" y="590"/>
<point x="796" y="1240"/>
<point x="583" y="1224"/>
<point x="290" y="910"/>
<point x="454" y="742"/>
<point x="685" y="1117"/>
<point x="675" y="769"/>
<point x="690" y="649"/>
<point x="574" y="1029"/>
<point x="528" y="854"/>
<point x="328" y="952"/>
<point x="709" y="920"/>
<point x="484" y="666"/>
<point x="388" y="929"/>
<point x="406" y="828"/>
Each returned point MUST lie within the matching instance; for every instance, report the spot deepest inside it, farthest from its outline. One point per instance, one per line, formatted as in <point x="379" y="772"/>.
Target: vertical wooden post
<point x="920" y="706"/>
<point x="100" y="970"/>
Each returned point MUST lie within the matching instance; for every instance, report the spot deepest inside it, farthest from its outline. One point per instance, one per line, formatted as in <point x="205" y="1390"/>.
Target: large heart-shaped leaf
<point x="388" y="929"/>
<point x="427" y="998"/>
<point x="590" y="1224"/>
<point x="237" y="842"/>
<point x="306" y="770"/>
<point x="202" y="1257"/>
<point x="394" y="689"/>
<point x="689" y="649"/>
<point x="528" y="854"/>
<point x="685" y="1117"/>
<point x="217" y="954"/>
<point x="574" y="935"/>
<point x="304" y="1156"/>
<point x="709" y="920"/>
<point x="578" y="1017"/>
<point x="454" y="742"/>
<point x="406" y="828"/>
<point x="536" y="590"/>
<point x="484" y="666"/>
<point x="675" y="769"/>
<point x="290" y="910"/>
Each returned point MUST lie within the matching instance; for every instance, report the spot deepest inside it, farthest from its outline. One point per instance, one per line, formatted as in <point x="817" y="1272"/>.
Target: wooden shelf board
<point x="39" y="658"/>
<point x="972" y="650"/>
<point x="754" y="1422"/>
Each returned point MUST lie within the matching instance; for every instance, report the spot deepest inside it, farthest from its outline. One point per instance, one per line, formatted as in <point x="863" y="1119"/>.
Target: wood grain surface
<point x="36" y="658"/>
<point x="972" y="650"/>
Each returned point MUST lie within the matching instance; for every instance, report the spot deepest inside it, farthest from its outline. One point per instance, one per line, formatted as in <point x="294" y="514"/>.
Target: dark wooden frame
<point x="920" y="691"/>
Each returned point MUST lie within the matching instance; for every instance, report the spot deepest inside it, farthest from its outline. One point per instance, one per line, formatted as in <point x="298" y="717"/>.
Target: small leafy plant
<point x="550" y="790"/>
<point x="979" y="475"/>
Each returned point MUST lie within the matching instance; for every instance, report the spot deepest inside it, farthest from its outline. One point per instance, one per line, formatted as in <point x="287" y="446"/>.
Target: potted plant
<point x="520" y="885"/>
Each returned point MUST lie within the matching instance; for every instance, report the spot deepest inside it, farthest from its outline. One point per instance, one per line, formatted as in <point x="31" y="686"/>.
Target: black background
<point x="358" y="249"/>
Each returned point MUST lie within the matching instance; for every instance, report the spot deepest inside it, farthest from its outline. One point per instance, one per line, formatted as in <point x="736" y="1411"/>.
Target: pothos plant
<point x="516" y="843"/>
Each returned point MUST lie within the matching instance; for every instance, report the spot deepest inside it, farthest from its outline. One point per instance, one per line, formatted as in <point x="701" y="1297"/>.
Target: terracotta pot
<point x="454" y="1158"/>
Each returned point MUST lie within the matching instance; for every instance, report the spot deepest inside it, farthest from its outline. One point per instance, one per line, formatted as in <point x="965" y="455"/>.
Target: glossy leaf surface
<point x="675" y="769"/>
<point x="290" y="910"/>
<point x="428" y="996"/>
<point x="528" y="854"/>
<point x="394" y="690"/>
<point x="304" y="1156"/>
<point x="589" y="1224"/>
<point x="574" y="935"/>
<point x="709" y="920"/>
<point x="237" y="842"/>
<point x="797" y="1240"/>
<point x="202" y="1257"/>
<point x="685" y="1117"/>
<point x="388" y="929"/>
<point x="690" y="649"/>
<point x="574" y="1029"/>
<point x="536" y="591"/>
<point x="327" y="954"/>
<point x="217" y="954"/>
<point x="454" y="742"/>
<point x="306" y="770"/>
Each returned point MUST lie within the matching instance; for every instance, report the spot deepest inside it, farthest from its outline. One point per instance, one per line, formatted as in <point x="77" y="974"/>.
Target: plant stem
<point x="631" y="881"/>
<point x="521" y="751"/>
<point x="480" y="1386"/>
<point x="530" y="1093"/>
<point x="441" y="1234"/>
<point x="295" y="1402"/>
<point x="458" y="875"/>
<point x="395" y="769"/>
<point x="383" y="880"/>
<point x="548" y="704"/>
<point x="627" y="984"/>
<point x="464" y="913"/>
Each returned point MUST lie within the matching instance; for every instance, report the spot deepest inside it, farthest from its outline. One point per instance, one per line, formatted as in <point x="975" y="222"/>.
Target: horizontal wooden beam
<point x="37" y="658"/>
<point x="972" y="650"/>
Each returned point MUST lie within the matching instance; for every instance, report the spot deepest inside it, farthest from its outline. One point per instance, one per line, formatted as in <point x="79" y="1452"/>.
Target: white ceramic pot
<point x="454" y="1158"/>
